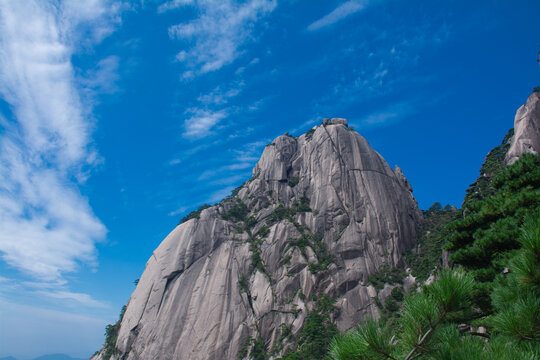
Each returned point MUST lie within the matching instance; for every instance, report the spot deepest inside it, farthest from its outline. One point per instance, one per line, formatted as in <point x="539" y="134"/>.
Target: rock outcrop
<point x="321" y="213"/>
<point x="526" y="137"/>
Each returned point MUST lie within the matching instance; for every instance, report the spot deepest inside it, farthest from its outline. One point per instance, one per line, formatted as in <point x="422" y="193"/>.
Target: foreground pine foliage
<point x="516" y="296"/>
<point x="429" y="323"/>
<point x="488" y="234"/>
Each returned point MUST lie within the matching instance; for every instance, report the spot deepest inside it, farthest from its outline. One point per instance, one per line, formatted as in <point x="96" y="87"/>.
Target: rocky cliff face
<point x="321" y="213"/>
<point x="526" y="137"/>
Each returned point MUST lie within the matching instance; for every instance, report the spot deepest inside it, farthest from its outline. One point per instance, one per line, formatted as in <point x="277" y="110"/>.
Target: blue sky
<point x="118" y="118"/>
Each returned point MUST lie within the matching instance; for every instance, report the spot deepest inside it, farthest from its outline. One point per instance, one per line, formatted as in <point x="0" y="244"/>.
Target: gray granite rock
<point x="335" y="121"/>
<point x="200" y="297"/>
<point x="526" y="137"/>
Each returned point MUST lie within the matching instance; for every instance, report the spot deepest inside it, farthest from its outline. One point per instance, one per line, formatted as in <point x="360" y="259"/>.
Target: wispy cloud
<point x="174" y="4"/>
<point x="220" y="194"/>
<point x="53" y="293"/>
<point x="216" y="37"/>
<point x="89" y="22"/>
<point x="388" y="66"/>
<point x="201" y="122"/>
<point x="240" y="165"/>
<point x="341" y="12"/>
<point x="208" y="174"/>
<point x="229" y="180"/>
<point x="211" y="108"/>
<point x="232" y="168"/>
<point x="46" y="226"/>
<point x="306" y="125"/>
<point x="218" y="96"/>
<point x="180" y="210"/>
<point x="104" y="77"/>
<point x="387" y="115"/>
<point x="241" y="69"/>
<point x="78" y="298"/>
<point x="184" y="155"/>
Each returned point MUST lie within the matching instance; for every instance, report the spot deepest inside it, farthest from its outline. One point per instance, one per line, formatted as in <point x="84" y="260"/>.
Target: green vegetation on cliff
<point x="318" y="330"/>
<point x="430" y="323"/>
<point x="195" y="214"/>
<point x="493" y="165"/>
<point x="386" y="275"/>
<point x="427" y="255"/>
<point x="483" y="240"/>
<point x="111" y="335"/>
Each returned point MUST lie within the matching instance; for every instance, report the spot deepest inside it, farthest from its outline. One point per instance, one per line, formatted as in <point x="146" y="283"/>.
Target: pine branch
<point x="426" y="335"/>
<point x="380" y="351"/>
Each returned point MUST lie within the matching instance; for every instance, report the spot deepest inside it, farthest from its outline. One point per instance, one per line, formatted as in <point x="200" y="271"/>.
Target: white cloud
<point x="180" y="210"/>
<point x="104" y="77"/>
<point x="381" y="118"/>
<point x="392" y="67"/>
<point x="204" y="117"/>
<point x="79" y="298"/>
<point x="246" y="156"/>
<point x="253" y="62"/>
<point x="216" y="37"/>
<point x="229" y="180"/>
<point x="230" y="170"/>
<point x="339" y="13"/>
<point x="201" y="122"/>
<point x="174" y="4"/>
<point x="242" y="160"/>
<point x="46" y="226"/>
<point x="52" y="292"/>
<point x="89" y="22"/>
<point x="219" y="96"/>
<point x="227" y="168"/>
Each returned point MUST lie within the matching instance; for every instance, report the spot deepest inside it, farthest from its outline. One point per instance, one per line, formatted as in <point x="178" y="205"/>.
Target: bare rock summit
<point x="321" y="213"/>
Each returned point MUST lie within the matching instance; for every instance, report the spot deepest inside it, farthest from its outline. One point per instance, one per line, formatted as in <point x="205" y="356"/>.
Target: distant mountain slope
<point x="56" y="357"/>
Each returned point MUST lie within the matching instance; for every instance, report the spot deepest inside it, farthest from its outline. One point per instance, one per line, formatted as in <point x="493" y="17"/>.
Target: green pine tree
<point x="483" y="240"/>
<point x="516" y="296"/>
<point x="428" y="328"/>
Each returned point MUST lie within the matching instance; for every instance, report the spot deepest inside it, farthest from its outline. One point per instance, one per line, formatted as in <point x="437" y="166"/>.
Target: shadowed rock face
<point x="526" y="137"/>
<point x="201" y="296"/>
